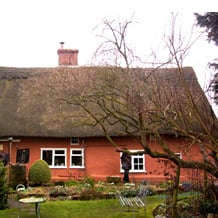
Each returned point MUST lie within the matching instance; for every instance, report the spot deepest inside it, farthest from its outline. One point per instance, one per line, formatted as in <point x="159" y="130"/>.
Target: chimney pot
<point x="62" y="45"/>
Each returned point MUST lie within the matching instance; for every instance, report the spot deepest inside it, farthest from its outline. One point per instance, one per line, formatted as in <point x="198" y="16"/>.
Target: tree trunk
<point x="175" y="191"/>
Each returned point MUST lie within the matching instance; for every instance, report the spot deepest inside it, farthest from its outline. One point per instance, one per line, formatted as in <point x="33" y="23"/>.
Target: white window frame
<point x="132" y="162"/>
<point x="179" y="154"/>
<point x="82" y="155"/>
<point x="56" y="155"/>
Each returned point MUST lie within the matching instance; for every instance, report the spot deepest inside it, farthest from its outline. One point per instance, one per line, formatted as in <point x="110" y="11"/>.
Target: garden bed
<point x="79" y="191"/>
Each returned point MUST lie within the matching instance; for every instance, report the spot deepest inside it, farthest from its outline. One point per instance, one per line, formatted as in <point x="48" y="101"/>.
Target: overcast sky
<point x="32" y="29"/>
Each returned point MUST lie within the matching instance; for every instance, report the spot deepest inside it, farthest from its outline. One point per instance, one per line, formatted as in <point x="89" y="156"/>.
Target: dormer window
<point x="74" y="141"/>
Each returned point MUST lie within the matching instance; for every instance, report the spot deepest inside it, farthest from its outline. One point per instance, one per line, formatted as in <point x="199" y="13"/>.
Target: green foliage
<point x="160" y="210"/>
<point x="71" y="183"/>
<point x="209" y="21"/>
<point x="58" y="191"/>
<point x="129" y="192"/>
<point x="3" y="187"/>
<point x="89" y="182"/>
<point x="39" y="173"/>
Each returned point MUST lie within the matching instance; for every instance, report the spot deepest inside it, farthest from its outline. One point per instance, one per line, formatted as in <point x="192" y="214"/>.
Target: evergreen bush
<point x="3" y="187"/>
<point x="39" y="173"/>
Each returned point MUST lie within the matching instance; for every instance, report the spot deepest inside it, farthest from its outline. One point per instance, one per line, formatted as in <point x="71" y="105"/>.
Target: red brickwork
<point x="68" y="57"/>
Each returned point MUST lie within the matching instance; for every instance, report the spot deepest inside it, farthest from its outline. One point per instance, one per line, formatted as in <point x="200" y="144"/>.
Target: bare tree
<point x="138" y="102"/>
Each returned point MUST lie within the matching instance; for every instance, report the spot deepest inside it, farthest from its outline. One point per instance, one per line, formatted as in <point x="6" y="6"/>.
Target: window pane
<point x="136" y="161"/>
<point x="59" y="152"/>
<point x="76" y="160"/>
<point x="59" y="161"/>
<point x="22" y="156"/>
<point x="136" y="167"/>
<point x="140" y="167"/>
<point x="47" y="156"/>
<point x="77" y="152"/>
<point x="141" y="160"/>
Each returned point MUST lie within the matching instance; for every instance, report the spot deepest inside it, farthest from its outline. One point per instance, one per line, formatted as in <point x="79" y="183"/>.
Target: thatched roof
<point x="25" y="109"/>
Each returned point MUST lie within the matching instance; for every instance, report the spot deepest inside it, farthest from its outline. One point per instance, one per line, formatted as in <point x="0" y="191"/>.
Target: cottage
<point x="39" y="119"/>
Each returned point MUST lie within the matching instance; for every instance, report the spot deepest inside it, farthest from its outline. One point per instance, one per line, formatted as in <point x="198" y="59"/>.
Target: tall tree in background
<point x="3" y="187"/>
<point x="209" y="21"/>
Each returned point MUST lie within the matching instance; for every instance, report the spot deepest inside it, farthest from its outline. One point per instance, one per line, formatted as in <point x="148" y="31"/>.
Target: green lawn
<point x="84" y="209"/>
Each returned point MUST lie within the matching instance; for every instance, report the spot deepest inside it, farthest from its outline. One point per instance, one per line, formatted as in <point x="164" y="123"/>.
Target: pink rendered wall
<point x="101" y="158"/>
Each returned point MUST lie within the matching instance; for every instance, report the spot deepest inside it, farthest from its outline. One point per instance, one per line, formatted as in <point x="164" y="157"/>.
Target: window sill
<point x="58" y="167"/>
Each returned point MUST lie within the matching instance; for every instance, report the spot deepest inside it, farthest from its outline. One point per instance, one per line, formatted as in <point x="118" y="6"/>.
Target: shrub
<point x="58" y="191"/>
<point x="129" y="192"/>
<point x="160" y="210"/>
<point x="39" y="173"/>
<point x="3" y="187"/>
<point x="89" y="182"/>
<point x="71" y="183"/>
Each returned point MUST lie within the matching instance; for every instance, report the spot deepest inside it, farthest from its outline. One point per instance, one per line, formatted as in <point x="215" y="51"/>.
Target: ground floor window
<point x="77" y="158"/>
<point x="137" y="161"/>
<point x="54" y="157"/>
<point x="23" y="155"/>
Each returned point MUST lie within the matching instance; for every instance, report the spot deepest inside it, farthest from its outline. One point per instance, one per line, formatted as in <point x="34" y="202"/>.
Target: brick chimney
<point x="67" y="57"/>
